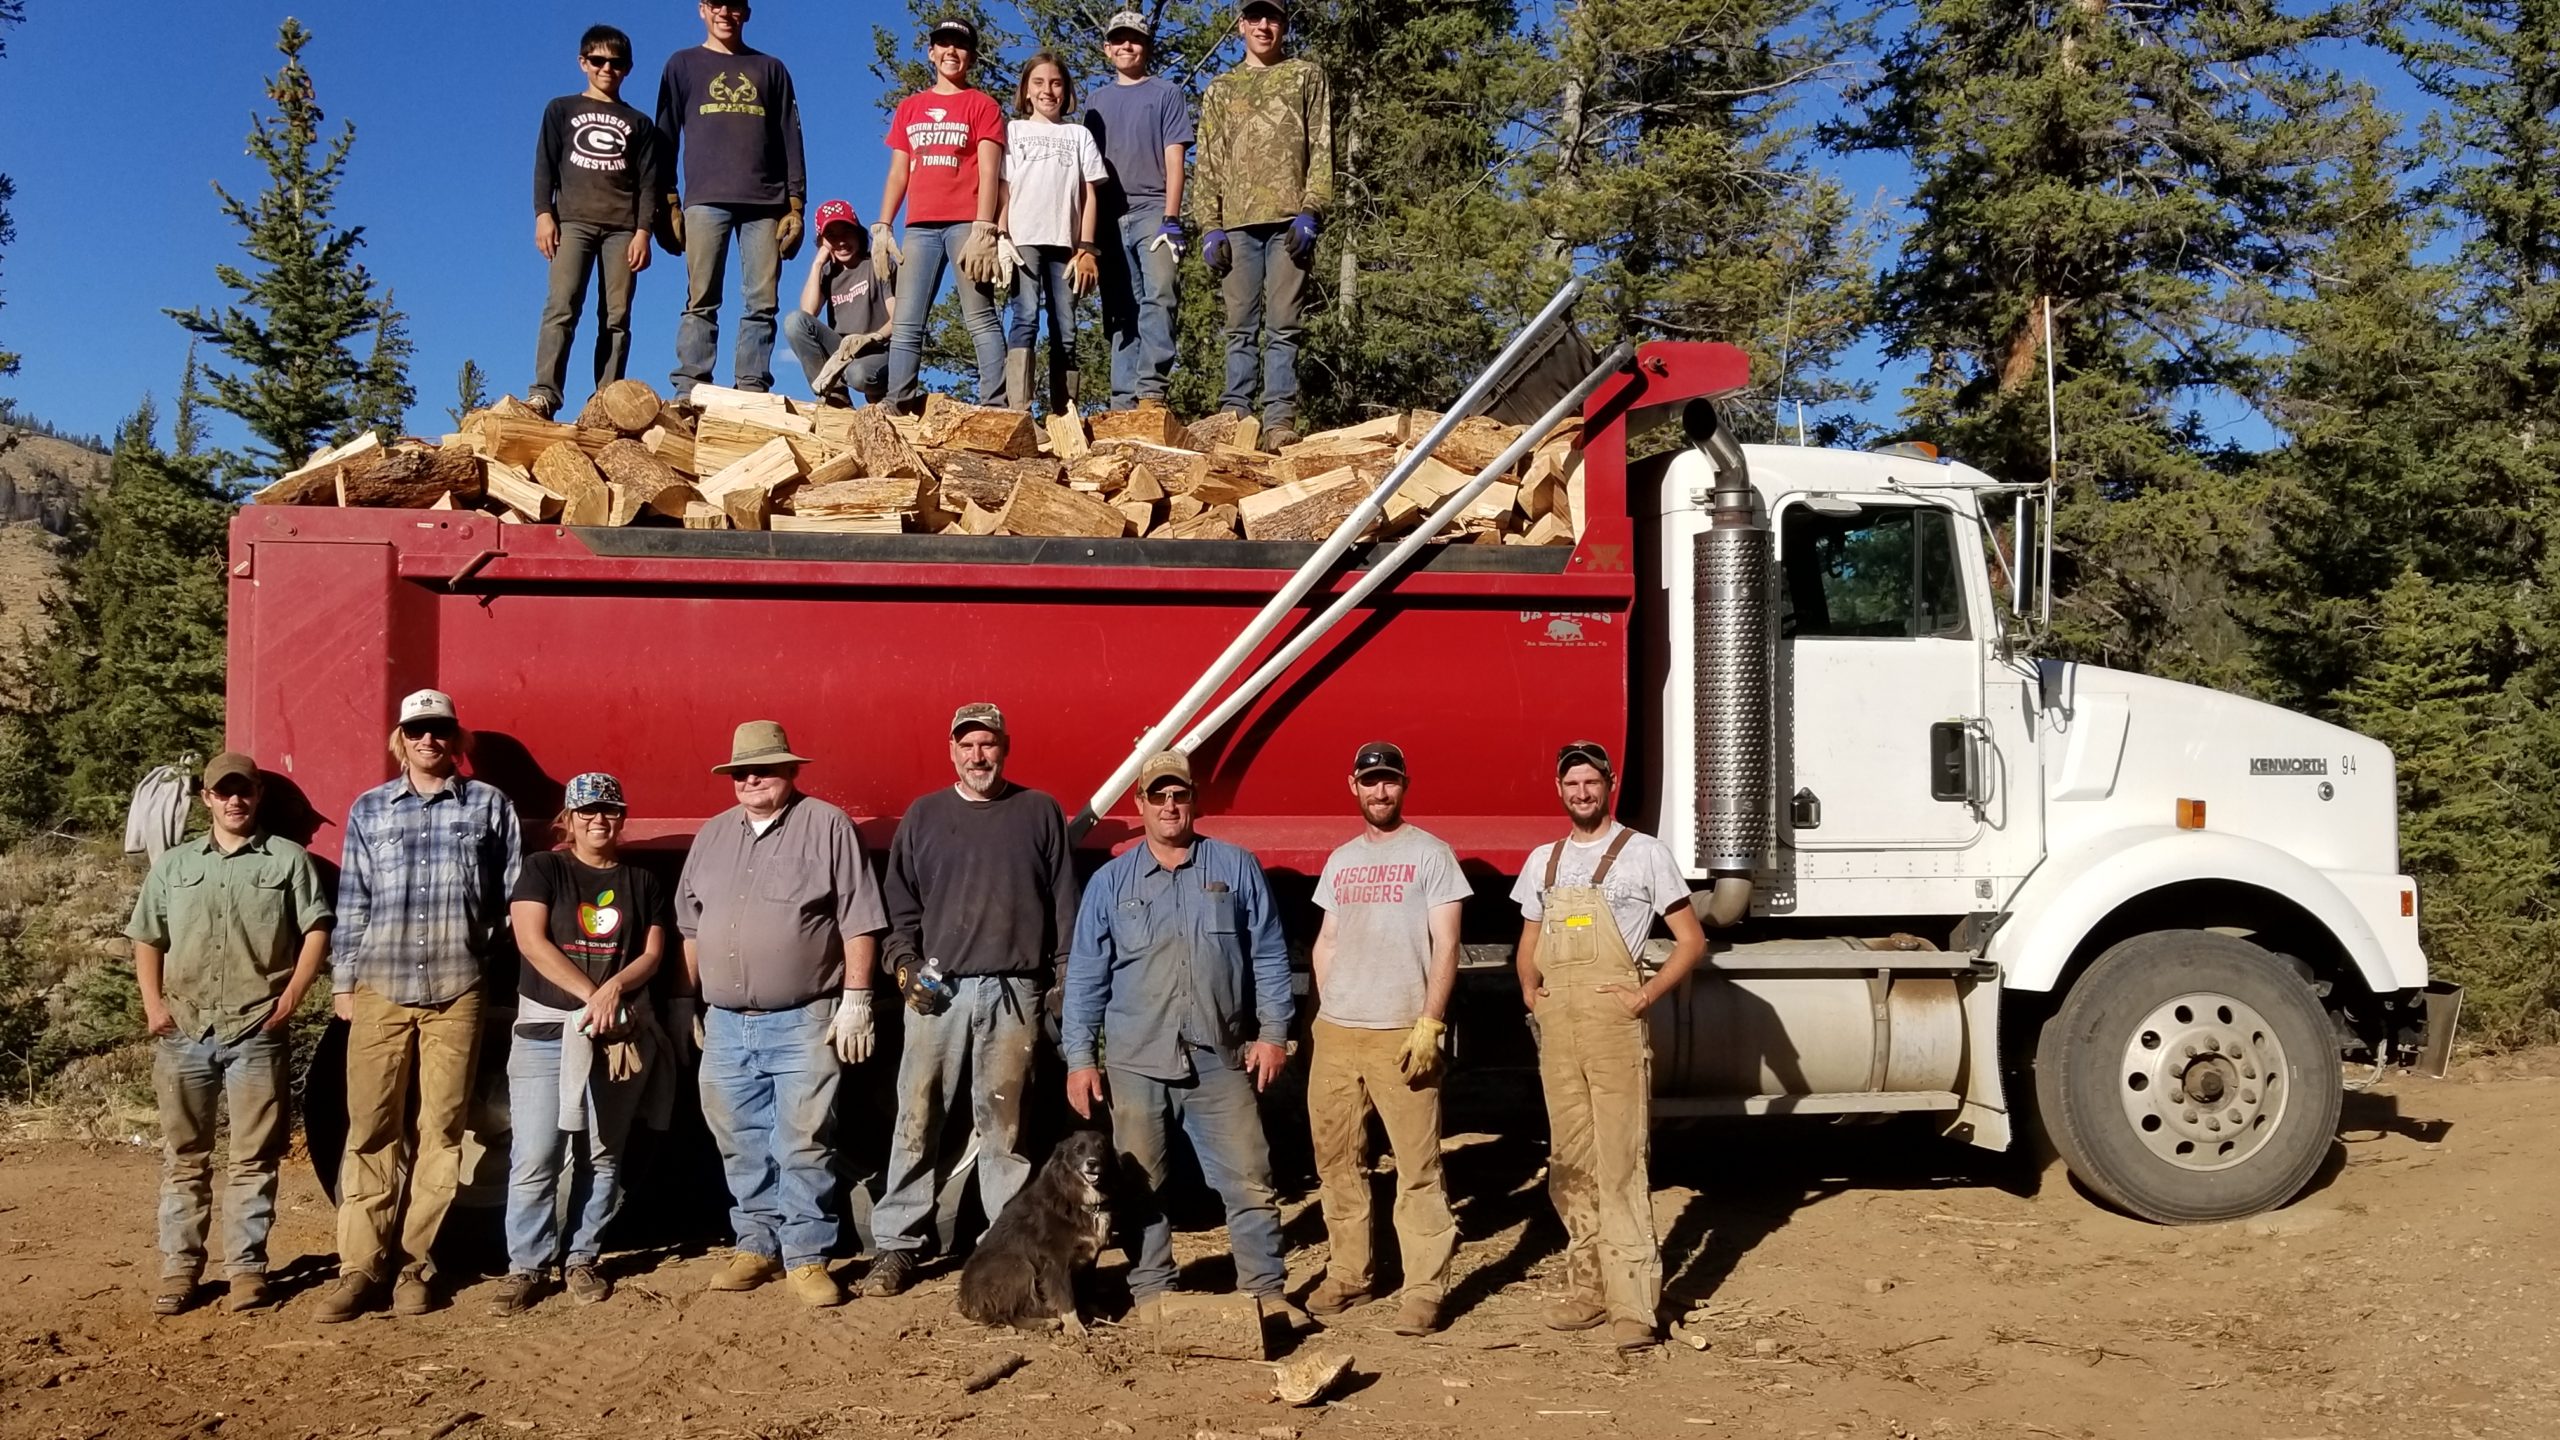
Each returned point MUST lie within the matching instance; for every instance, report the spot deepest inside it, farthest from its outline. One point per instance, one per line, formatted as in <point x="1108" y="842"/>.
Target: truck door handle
<point x="1805" y="810"/>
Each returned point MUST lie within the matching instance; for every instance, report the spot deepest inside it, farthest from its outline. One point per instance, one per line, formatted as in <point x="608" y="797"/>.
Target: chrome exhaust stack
<point x="1733" y="673"/>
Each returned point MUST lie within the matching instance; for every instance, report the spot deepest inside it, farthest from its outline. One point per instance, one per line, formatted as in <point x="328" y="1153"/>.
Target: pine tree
<point x="186" y="427"/>
<point x="2152" y="171"/>
<point x="298" y="383"/>
<point x="1665" y="158"/>
<point x="12" y="12"/>
<point x="470" y="391"/>
<point x="383" y="391"/>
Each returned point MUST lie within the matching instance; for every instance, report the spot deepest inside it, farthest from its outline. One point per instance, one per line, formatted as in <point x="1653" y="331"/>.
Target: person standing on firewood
<point x="946" y="167"/>
<point x="1143" y="124"/>
<point x="1262" y="183"/>
<point x="595" y="200"/>
<point x="1050" y="168"/>
<point x="844" y="302"/>
<point x="729" y="113"/>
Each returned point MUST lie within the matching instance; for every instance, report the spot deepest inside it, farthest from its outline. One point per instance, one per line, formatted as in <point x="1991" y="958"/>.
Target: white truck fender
<point x="2071" y="894"/>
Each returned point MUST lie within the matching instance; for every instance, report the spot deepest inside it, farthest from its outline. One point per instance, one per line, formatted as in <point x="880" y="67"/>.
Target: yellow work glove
<point x="1420" y="1060"/>
<point x="786" y="231"/>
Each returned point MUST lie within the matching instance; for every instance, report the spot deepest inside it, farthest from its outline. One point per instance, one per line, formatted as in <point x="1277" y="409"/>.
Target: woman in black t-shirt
<point x="592" y="930"/>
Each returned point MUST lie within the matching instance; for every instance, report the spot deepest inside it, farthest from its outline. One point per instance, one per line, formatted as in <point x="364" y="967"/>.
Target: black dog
<point x="1023" y="1272"/>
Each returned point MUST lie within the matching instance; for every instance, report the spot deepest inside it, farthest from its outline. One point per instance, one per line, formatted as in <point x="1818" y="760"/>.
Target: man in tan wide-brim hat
<point x="781" y="922"/>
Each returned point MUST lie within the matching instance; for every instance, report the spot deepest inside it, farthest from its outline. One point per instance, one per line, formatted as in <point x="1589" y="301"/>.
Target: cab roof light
<point x="2190" y="814"/>
<point x="1909" y="450"/>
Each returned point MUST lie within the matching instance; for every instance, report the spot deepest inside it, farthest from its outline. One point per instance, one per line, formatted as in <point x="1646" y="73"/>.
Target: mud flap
<point x="2443" y="1013"/>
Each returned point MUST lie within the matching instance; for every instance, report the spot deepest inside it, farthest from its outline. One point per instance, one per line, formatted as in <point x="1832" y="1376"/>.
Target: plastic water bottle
<point x="934" y="984"/>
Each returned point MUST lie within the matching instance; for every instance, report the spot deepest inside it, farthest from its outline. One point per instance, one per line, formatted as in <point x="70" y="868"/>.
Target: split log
<point x="977" y="519"/>
<point x="987" y="479"/>
<point x="873" y="439"/>
<point x="1215" y="523"/>
<point x="1141" y="515"/>
<point x="627" y="501"/>
<point x="1225" y="477"/>
<point x="1471" y="445"/>
<point x="951" y="425"/>
<point x="1434" y="480"/>
<point x="1552" y="529"/>
<point x="859" y="499"/>
<point x="626" y="407"/>
<point x="676" y="502"/>
<point x="316" y="481"/>
<point x="1067" y="440"/>
<point x="1179" y="508"/>
<point x="783" y="521"/>
<point x="747" y="507"/>
<point x="1310" y="458"/>
<point x="629" y="464"/>
<point x="520" y="441"/>
<point x="512" y="408"/>
<point x="758" y="406"/>
<point x="1141" y="488"/>
<point x="1574" y="514"/>
<point x="1493" y="507"/>
<point x="1150" y="424"/>
<point x="1390" y="430"/>
<point x="410" y="477"/>
<point x="1044" y="507"/>
<point x="1225" y="428"/>
<point x="1304" y="509"/>
<point x="565" y="471"/>
<point x="1102" y="472"/>
<point x="510" y="486"/>
<point x="720" y="441"/>
<point x="775" y="463"/>
<point x="672" y="445"/>
<point x="703" y="515"/>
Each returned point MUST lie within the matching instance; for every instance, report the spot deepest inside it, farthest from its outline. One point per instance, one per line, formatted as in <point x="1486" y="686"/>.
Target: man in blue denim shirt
<point x="1180" y="973"/>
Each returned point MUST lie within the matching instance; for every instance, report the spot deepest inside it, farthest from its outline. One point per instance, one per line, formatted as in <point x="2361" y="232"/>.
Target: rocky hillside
<point x="42" y="480"/>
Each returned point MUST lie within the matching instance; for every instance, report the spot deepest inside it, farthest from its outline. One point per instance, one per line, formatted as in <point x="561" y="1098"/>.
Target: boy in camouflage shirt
<point x="1262" y="179"/>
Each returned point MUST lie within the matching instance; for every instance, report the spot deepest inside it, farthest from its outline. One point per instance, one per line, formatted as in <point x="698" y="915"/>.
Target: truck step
<point x="1878" y="1102"/>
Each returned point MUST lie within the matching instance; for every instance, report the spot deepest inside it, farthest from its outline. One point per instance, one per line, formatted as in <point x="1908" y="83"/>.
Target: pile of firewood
<point x="728" y="459"/>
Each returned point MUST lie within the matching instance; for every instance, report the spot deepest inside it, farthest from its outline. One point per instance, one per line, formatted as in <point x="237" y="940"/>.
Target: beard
<point x="1382" y="813"/>
<point x="982" y="782"/>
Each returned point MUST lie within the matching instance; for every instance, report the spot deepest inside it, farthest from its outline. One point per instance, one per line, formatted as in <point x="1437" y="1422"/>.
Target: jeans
<point x="1354" y="1072"/>
<point x="192" y="1077"/>
<point x="927" y="249"/>
<point x="539" y="1145"/>
<point x="1218" y="1112"/>
<point x="1139" y="282"/>
<point x="988" y="1030"/>
<point x="707" y="231"/>
<point x="391" y="1046"/>
<point x="815" y="341"/>
<point x="1264" y="290"/>
<point x="586" y="251"/>
<point x="769" y="1092"/>
<point x="1043" y="278"/>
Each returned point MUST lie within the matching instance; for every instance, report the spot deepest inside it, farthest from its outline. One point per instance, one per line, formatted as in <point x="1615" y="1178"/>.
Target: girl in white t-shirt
<point x="1050" y="167"/>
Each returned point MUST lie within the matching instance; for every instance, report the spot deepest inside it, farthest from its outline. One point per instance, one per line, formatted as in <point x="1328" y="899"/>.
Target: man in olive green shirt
<point x="230" y="930"/>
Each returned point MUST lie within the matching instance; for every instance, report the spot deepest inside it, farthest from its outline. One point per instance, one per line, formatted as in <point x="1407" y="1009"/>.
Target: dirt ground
<point x="1857" y="1282"/>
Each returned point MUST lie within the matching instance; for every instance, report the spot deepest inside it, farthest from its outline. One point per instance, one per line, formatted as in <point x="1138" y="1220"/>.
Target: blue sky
<point x="116" y="216"/>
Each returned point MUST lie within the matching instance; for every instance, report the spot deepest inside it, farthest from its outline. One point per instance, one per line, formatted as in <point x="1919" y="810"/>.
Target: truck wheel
<point x="2189" y="1077"/>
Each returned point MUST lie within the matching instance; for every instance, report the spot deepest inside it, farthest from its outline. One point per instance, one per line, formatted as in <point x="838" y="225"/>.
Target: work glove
<point x="978" y="261"/>
<point x="851" y="1033"/>
<point x="886" y="257"/>
<point x="1084" y="272"/>
<point x="1215" y="254"/>
<point x="1009" y="260"/>
<point x="1302" y="237"/>
<point x="1168" y="238"/>
<point x="1420" y="1059"/>
<point x="786" y="231"/>
<point x="922" y="998"/>
<point x="684" y="1029"/>
<point x="670" y="225"/>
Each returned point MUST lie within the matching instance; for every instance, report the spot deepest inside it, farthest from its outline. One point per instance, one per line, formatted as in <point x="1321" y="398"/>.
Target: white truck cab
<point x="2167" y="910"/>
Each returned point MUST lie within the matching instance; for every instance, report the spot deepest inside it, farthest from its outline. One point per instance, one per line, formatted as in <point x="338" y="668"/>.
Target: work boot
<point x="1146" y="1310"/>
<point x="1276" y="438"/>
<point x="588" y="1286"/>
<point x="890" y="1274"/>
<point x="1277" y="1307"/>
<point x="249" y="1291"/>
<point x="1150" y="402"/>
<point x="1334" y="1296"/>
<point x="1633" y="1335"/>
<point x="174" y="1295"/>
<point x="542" y="404"/>
<point x="411" y="1295"/>
<point x="746" y="1270"/>
<point x="816" y="1287"/>
<point x="514" y="1294"/>
<point x="1417" y="1316"/>
<point x="1575" y="1313"/>
<point x="1017" y="380"/>
<point x="348" y="1297"/>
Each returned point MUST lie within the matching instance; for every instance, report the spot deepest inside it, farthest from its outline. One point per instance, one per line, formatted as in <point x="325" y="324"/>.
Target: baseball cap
<point x="1378" y="755"/>
<point x="229" y="765"/>
<point x="1135" y="20"/>
<point x="1162" y="766"/>
<point x="594" y="790"/>
<point x="977" y="715"/>
<point x="837" y="212"/>
<point x="1585" y="752"/>
<point x="1277" y="7"/>
<point x="954" y="29"/>
<point x="428" y="705"/>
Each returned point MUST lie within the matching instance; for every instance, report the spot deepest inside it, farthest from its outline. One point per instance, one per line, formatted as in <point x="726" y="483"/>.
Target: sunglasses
<point x="608" y="62"/>
<point x="756" y="772"/>
<point x="1169" y="795"/>
<point x="421" y="729"/>
<point x="606" y="813"/>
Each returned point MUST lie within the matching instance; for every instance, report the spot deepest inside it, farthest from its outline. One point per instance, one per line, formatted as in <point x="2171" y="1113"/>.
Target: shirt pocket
<point x="1224" y="912"/>
<point x="1130" y="930"/>
<point x="787" y="882"/>
<point x="266" y="902"/>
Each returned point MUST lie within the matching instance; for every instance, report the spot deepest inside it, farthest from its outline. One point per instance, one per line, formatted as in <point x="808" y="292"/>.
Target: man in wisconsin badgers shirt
<point x="595" y="200"/>
<point x="729" y="112"/>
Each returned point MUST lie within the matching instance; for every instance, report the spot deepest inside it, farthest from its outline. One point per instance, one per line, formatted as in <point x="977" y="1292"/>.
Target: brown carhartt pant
<point x="1352" y="1072"/>
<point x="391" y="1046"/>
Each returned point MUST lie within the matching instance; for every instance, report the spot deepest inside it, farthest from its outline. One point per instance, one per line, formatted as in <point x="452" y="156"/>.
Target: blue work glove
<point x="1168" y="238"/>
<point x="1214" y="252"/>
<point x="1302" y="237"/>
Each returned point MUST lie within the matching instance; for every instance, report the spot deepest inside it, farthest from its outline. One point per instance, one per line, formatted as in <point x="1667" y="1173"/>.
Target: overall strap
<point x="1555" y="856"/>
<point x="1610" y="856"/>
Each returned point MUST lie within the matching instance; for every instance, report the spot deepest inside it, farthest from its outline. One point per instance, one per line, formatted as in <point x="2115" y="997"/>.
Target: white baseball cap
<point x="427" y="705"/>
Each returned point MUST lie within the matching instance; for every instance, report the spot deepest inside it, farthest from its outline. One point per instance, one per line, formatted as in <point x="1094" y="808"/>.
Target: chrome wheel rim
<point x="2203" y="1081"/>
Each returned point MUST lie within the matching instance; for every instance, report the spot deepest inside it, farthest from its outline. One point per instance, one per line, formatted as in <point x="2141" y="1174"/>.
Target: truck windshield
<point x="1886" y="572"/>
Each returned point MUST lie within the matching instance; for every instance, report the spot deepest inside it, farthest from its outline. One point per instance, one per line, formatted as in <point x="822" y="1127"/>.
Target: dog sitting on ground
<point x="1023" y="1272"/>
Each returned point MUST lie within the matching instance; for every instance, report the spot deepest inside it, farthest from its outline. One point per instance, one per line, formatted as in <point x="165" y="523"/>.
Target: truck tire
<point x="2189" y="1077"/>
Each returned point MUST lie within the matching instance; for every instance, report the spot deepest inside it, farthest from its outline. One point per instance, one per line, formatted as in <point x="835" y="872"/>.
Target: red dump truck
<point x="1943" y="871"/>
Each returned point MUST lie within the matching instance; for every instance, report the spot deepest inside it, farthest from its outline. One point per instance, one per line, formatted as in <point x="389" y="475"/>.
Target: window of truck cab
<point x="1887" y="571"/>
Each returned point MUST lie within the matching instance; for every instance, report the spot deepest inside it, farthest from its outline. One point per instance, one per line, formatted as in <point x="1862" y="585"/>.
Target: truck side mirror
<point x="1950" y="761"/>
